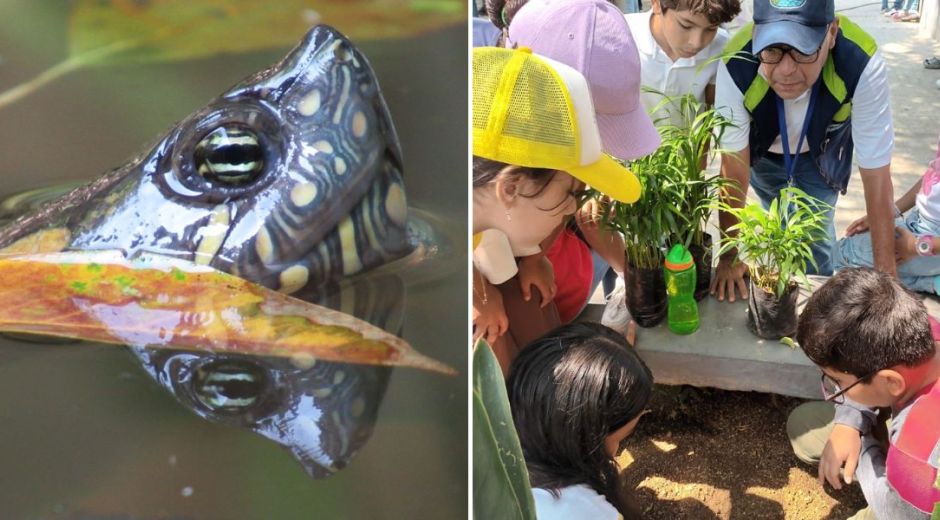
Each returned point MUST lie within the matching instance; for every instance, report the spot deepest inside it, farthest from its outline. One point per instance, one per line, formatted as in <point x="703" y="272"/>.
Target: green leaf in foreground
<point x="101" y="296"/>
<point x="500" y="481"/>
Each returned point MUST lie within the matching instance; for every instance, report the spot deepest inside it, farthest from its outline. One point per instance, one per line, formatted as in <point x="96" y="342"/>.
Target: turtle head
<point x="291" y="179"/>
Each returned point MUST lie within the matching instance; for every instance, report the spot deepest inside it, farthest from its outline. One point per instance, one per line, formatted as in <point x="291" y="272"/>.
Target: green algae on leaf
<point x="101" y="296"/>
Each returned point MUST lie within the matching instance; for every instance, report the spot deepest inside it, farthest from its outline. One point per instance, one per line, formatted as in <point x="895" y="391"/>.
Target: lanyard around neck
<point x="789" y="160"/>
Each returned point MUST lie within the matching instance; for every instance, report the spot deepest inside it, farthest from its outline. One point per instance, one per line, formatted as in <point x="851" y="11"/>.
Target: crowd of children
<point x="557" y="98"/>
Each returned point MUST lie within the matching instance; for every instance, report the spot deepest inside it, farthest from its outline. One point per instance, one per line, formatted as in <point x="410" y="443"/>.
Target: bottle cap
<point x="679" y="258"/>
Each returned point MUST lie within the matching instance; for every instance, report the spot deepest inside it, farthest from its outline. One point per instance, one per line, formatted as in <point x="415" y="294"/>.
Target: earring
<point x="508" y="216"/>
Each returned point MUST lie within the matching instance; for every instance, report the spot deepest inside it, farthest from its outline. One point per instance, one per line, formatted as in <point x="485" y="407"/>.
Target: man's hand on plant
<point x="538" y="271"/>
<point x="905" y="245"/>
<point x="843" y="448"/>
<point x="858" y="226"/>
<point x="489" y="317"/>
<point x="729" y="274"/>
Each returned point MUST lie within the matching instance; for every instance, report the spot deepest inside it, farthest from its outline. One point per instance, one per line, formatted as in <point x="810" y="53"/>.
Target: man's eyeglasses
<point x="774" y="55"/>
<point x="833" y="392"/>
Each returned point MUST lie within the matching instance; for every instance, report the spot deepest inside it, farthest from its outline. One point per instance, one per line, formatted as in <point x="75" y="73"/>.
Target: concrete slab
<point x="724" y="354"/>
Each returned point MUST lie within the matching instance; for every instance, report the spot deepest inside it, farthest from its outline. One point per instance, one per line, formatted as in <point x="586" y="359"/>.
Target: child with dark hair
<point x="678" y="42"/>
<point x="576" y="394"/>
<point x="872" y="339"/>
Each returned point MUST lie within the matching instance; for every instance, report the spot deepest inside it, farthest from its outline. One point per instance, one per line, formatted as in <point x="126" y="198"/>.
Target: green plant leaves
<point x="135" y="31"/>
<point x="776" y="242"/>
<point x="500" y="481"/>
<point x="677" y="198"/>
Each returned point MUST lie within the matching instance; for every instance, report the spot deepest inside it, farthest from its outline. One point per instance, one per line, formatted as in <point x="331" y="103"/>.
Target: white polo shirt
<point x="673" y="78"/>
<point x="872" y="130"/>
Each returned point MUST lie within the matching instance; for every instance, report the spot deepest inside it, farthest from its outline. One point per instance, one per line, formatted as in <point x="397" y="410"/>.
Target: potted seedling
<point x="647" y="225"/>
<point x="690" y="133"/>
<point x="775" y="244"/>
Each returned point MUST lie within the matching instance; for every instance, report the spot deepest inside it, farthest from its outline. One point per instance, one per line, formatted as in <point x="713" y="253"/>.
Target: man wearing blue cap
<point x="817" y="90"/>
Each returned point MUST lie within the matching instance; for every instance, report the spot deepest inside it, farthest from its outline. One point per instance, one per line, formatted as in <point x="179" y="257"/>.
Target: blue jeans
<point x="768" y="177"/>
<point x="921" y="273"/>
<point x="897" y="4"/>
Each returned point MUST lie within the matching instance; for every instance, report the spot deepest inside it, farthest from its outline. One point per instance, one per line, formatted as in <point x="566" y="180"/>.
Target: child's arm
<point x="607" y="242"/>
<point x="489" y="315"/>
<point x="903" y="204"/>
<point x="537" y="270"/>
<point x="883" y="500"/>
<point x="852" y="421"/>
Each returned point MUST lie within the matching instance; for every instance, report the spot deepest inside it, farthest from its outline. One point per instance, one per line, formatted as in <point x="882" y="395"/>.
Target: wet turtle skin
<point x="291" y="179"/>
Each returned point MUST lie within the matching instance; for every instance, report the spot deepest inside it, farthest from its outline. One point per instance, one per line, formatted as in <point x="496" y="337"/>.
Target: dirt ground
<point x="711" y="454"/>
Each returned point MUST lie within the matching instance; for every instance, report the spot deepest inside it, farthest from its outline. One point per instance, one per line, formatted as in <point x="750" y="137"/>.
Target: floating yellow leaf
<point x="160" y="302"/>
<point x="122" y="31"/>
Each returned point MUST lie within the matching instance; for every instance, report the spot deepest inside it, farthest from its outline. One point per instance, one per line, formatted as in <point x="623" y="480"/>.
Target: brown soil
<point x="707" y="454"/>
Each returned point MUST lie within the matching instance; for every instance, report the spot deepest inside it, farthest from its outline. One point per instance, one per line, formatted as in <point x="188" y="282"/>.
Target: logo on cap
<point x="787" y="4"/>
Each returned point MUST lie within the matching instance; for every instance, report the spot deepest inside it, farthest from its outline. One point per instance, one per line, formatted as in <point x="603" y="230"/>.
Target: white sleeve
<point x="493" y="257"/>
<point x="872" y="130"/>
<point x="716" y="48"/>
<point x="729" y="101"/>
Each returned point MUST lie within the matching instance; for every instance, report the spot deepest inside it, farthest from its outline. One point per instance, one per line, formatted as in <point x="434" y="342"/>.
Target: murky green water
<point x="86" y="433"/>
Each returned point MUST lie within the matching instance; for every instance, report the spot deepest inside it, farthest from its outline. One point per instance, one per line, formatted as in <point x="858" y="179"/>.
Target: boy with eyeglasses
<point x="874" y="343"/>
<point x="805" y="89"/>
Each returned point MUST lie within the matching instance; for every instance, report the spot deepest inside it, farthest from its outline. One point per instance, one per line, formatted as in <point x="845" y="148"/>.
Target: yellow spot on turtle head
<point x="357" y="407"/>
<point x="339" y="166"/>
<point x="303" y="360"/>
<point x="303" y="194"/>
<point x="323" y="146"/>
<point x="309" y="104"/>
<point x="264" y="246"/>
<point x="293" y="279"/>
<point x="396" y="205"/>
<point x="339" y="377"/>
<point x="359" y="124"/>
<point x="212" y="235"/>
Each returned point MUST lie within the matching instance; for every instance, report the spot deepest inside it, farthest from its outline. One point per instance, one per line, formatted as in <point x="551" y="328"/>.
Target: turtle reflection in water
<point x="292" y="179"/>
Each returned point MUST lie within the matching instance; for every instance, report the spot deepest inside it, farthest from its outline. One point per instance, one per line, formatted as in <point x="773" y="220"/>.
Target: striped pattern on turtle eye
<point x="229" y="386"/>
<point x="230" y="155"/>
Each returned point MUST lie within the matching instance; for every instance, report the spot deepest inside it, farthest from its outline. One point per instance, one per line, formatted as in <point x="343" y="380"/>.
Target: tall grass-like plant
<point x="648" y="223"/>
<point x="775" y="243"/>
<point x="691" y="133"/>
<point x="678" y="196"/>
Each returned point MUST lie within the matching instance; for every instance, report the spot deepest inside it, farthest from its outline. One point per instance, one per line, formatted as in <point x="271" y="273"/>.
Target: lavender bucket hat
<point x="593" y="37"/>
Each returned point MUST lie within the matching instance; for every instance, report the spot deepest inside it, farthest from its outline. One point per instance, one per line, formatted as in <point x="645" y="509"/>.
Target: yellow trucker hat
<point x="532" y="111"/>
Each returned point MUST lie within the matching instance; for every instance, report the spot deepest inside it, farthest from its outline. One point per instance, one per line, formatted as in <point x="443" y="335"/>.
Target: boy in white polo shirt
<point x="679" y="42"/>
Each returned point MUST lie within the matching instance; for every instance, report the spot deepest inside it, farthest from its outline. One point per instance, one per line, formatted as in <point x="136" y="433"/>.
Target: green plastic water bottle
<point x="682" y="314"/>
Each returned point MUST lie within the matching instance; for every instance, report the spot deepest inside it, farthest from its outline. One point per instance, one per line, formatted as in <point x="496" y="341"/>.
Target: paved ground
<point x="915" y="102"/>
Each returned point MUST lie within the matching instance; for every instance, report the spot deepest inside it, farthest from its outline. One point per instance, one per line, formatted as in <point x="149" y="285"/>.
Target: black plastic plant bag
<point x="702" y="255"/>
<point x="645" y="293"/>
<point x="769" y="317"/>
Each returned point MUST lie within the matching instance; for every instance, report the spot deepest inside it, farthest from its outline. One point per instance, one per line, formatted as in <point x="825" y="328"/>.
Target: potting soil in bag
<point x="645" y="295"/>
<point x="702" y="255"/>
<point x="769" y="317"/>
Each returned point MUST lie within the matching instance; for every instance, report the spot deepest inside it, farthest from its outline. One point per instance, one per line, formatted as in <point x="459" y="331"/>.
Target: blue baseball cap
<point x="801" y="24"/>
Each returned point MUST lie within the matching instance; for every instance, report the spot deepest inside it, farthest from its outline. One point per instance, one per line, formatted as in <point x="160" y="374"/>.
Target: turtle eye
<point x="230" y="155"/>
<point x="229" y="386"/>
